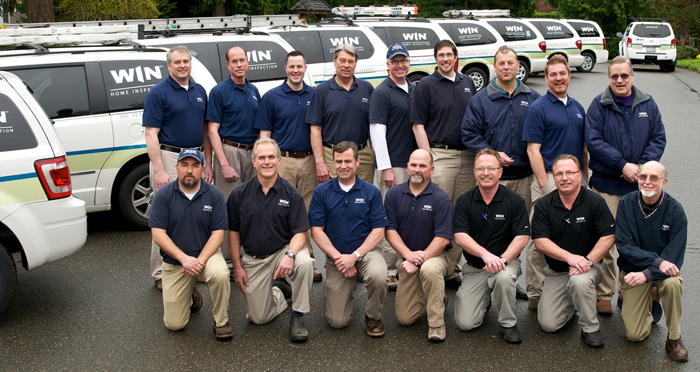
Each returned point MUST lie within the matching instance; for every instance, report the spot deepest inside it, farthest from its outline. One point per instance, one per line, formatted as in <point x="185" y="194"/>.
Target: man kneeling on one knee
<point x="492" y="228"/>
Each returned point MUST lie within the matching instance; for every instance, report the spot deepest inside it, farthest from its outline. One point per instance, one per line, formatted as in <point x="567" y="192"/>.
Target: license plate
<point x="651" y="50"/>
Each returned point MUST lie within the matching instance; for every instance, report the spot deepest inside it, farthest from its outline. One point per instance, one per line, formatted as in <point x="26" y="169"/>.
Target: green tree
<point x="98" y="10"/>
<point x="611" y="15"/>
<point x="40" y="11"/>
<point x="684" y="14"/>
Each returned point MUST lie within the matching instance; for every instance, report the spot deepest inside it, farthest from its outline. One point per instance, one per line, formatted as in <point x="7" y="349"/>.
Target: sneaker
<point x="317" y="275"/>
<point x="520" y="293"/>
<point x="437" y="334"/>
<point x="604" y="307"/>
<point x="676" y="350"/>
<point x="159" y="284"/>
<point x="511" y="334"/>
<point x="297" y="329"/>
<point x="196" y="301"/>
<point x="375" y="328"/>
<point x="224" y="332"/>
<point x="593" y="339"/>
<point x="284" y="287"/>
<point x="393" y="282"/>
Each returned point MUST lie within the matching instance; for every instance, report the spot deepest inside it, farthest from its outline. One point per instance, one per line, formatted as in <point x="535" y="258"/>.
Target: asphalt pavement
<point x="99" y="310"/>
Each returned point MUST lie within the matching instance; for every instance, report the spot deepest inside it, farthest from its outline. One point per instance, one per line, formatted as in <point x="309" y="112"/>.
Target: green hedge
<point x="686" y="52"/>
<point x="690" y="64"/>
<point x="613" y="44"/>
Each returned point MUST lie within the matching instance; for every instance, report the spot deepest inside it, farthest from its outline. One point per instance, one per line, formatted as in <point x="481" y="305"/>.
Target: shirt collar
<point x="497" y="197"/>
<point x="233" y="85"/>
<point x="287" y="89"/>
<point x="579" y="199"/>
<point x="335" y="183"/>
<point x="202" y="189"/>
<point x="176" y="85"/>
<point x="427" y="191"/>
<point x="258" y="186"/>
<point x="554" y="98"/>
<point x="334" y="84"/>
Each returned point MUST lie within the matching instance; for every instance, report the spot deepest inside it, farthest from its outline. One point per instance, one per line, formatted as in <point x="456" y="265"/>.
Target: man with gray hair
<point x="339" y="111"/>
<point x="623" y="131"/>
<point x="267" y="218"/>
<point x="174" y="120"/>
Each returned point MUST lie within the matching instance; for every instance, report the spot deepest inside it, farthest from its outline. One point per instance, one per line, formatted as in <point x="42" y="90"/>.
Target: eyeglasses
<point x="484" y="169"/>
<point x="403" y="62"/>
<point x="569" y="174"/>
<point x="623" y="76"/>
<point x="652" y="178"/>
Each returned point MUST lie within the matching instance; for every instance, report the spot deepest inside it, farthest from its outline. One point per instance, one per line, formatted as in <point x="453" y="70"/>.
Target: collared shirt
<point x="576" y="230"/>
<point x="419" y="218"/>
<point x="347" y="217"/>
<point x="188" y="223"/>
<point x="390" y="105"/>
<point x="494" y="225"/>
<point x="179" y="113"/>
<point x="282" y="111"/>
<point x="234" y="107"/>
<point x="439" y="104"/>
<point x="343" y="115"/>
<point x="266" y="223"/>
<point x="558" y="128"/>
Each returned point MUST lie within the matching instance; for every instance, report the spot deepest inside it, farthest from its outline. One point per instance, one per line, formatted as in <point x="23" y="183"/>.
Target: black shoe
<point x="511" y="334"/>
<point x="593" y="339"/>
<point x="284" y="287"/>
<point x="520" y="293"/>
<point x="196" y="301"/>
<point x="453" y="283"/>
<point x="656" y="311"/>
<point x="297" y="329"/>
<point x="619" y="301"/>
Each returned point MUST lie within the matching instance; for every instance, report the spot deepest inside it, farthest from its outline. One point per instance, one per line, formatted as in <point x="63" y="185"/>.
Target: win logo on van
<point x="3" y="117"/>
<point x="514" y="28"/>
<point x="335" y="41"/>
<point x="139" y="73"/>
<point x="415" y="36"/>
<point x="553" y="28"/>
<point x="468" y="30"/>
<point x="260" y="55"/>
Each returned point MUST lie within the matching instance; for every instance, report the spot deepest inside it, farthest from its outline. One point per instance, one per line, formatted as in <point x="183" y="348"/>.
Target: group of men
<point x="458" y="175"/>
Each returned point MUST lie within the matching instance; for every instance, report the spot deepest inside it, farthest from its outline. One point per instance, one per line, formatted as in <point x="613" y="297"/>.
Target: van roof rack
<point x="473" y="13"/>
<point x="642" y="19"/>
<point x="386" y="10"/>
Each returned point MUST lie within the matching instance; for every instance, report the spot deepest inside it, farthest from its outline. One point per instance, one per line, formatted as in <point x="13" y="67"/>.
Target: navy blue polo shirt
<point x="390" y="105"/>
<point x="347" y="217"/>
<point x="343" y="115"/>
<point x="266" y="223"/>
<point x="576" y="230"/>
<point x="283" y="111"/>
<point x="419" y="218"/>
<point x="492" y="226"/>
<point x="234" y="107"/>
<point x="558" y="128"/>
<point x="188" y="223"/>
<point x="439" y="104"/>
<point x="179" y="113"/>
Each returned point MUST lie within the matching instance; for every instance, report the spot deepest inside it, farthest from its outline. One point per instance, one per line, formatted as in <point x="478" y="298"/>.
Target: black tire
<point x="135" y="196"/>
<point x="588" y="62"/>
<point x="414" y="78"/>
<point x="670" y="67"/>
<point x="478" y="76"/>
<point x="523" y="72"/>
<point x="8" y="277"/>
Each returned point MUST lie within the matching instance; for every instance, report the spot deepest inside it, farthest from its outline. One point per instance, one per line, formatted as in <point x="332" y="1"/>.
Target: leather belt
<point x="258" y="257"/>
<point x="236" y="144"/>
<point x="359" y="147"/>
<point x="296" y="154"/>
<point x="447" y="147"/>
<point x="175" y="148"/>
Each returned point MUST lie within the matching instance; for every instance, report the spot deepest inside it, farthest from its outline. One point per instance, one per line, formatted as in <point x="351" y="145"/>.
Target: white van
<point x="527" y="42"/>
<point x="561" y="39"/>
<point x="649" y="42"/>
<point x="593" y="49"/>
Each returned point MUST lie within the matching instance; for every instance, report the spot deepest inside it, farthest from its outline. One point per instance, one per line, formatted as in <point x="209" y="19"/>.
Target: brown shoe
<point x="196" y="301"/>
<point x="676" y="350"/>
<point x="604" y="307"/>
<point x="317" y="275"/>
<point x="159" y="284"/>
<point x="532" y="304"/>
<point x="224" y="332"/>
<point x="375" y="328"/>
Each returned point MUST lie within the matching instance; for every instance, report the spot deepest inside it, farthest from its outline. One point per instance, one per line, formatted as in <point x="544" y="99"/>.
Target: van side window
<point x="127" y="83"/>
<point x="265" y="59"/>
<point x="513" y="31"/>
<point x="553" y="30"/>
<point x="585" y="29"/>
<point x="415" y="37"/>
<point x="61" y="91"/>
<point x="15" y="133"/>
<point x="306" y="41"/>
<point x="331" y="39"/>
<point x="465" y="34"/>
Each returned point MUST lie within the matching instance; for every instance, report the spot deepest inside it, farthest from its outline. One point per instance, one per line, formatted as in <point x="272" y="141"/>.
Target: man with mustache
<point x="651" y="236"/>
<point x="491" y="226"/>
<point x="420" y="230"/>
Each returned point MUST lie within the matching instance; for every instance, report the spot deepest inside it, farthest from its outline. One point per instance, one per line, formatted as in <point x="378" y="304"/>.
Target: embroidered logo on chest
<point x="643" y="115"/>
<point x="467" y="90"/>
<point x="284" y="203"/>
<point x="428" y="208"/>
<point x="200" y="100"/>
<point x="665" y="227"/>
<point x="500" y="217"/>
<point x="579" y="116"/>
<point x="365" y="100"/>
<point x="525" y="103"/>
<point x="580" y="219"/>
<point x="208" y="208"/>
<point x="359" y="200"/>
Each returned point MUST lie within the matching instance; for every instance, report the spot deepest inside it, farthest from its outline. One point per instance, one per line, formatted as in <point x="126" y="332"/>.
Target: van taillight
<point x="54" y="176"/>
<point x="673" y="44"/>
<point x="605" y="44"/>
<point x="629" y="42"/>
<point x="579" y="44"/>
<point x="543" y="46"/>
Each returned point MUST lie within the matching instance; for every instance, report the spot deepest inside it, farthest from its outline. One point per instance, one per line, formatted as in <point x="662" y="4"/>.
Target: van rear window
<point x="651" y="30"/>
<point x="15" y="133"/>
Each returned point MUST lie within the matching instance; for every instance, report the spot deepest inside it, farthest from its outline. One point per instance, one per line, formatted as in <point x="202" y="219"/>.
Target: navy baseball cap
<point x="395" y="50"/>
<point x="191" y="153"/>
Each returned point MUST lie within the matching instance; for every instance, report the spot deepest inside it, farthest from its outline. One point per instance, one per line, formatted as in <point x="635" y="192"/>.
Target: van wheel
<point x="135" y="196"/>
<point x="523" y="72"/>
<point x="414" y="78"/>
<point x="8" y="277"/>
<point x="668" y="66"/>
<point x="588" y="62"/>
<point x="478" y="76"/>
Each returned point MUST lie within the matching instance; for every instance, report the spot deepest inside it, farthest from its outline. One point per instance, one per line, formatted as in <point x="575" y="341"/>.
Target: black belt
<point x="296" y="154"/>
<point x="447" y="147"/>
<point x="175" y="148"/>
<point x="236" y="144"/>
<point x="331" y="146"/>
<point x="258" y="257"/>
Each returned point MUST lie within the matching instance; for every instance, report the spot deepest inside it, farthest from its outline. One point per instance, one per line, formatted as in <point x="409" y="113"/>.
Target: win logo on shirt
<point x="208" y="208"/>
<point x="525" y="103"/>
<point x="643" y="115"/>
<point x="428" y="208"/>
<point x="467" y="90"/>
<point x="500" y="217"/>
<point x="200" y="100"/>
<point x="665" y="227"/>
<point x="284" y="203"/>
<point x="359" y="200"/>
<point x="365" y="100"/>
<point x="580" y="219"/>
<point x="579" y="116"/>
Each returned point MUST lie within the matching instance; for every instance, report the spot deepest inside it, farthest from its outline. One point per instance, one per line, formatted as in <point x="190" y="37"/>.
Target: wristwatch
<point x="290" y="254"/>
<point x="589" y="261"/>
<point x="505" y="262"/>
<point x="359" y="256"/>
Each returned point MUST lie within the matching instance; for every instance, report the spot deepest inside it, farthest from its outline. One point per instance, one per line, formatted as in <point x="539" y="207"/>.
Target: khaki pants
<point x="474" y="295"/>
<point x="366" y="169"/>
<point x="563" y="295"/>
<point x="534" y="259"/>
<point x="636" y="310"/>
<point x="606" y="289"/>
<point x="169" y="162"/>
<point x="302" y="174"/>
<point x="264" y="302"/>
<point x="424" y="291"/>
<point x="339" y="289"/>
<point x="241" y="161"/>
<point x="177" y="292"/>
<point x="390" y="255"/>
<point x="523" y="186"/>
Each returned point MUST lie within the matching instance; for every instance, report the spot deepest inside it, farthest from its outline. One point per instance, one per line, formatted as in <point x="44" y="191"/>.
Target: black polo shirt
<point x="188" y="223"/>
<point x="576" y="230"/>
<point x="492" y="226"/>
<point x="439" y="104"/>
<point x="390" y="105"/>
<point x="342" y="114"/>
<point x="419" y="219"/>
<point x="266" y="223"/>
